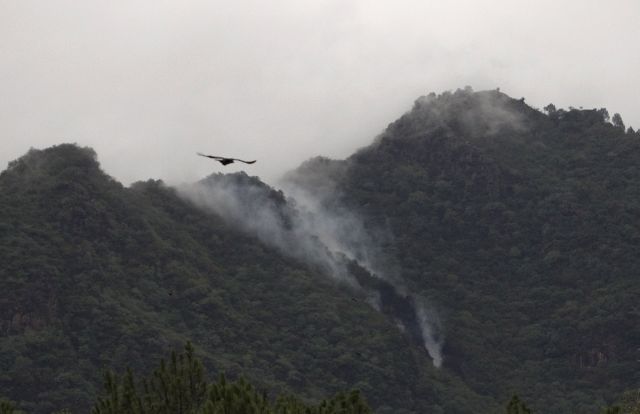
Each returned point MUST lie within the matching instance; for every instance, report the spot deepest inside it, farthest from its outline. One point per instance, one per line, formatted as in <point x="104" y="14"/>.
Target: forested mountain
<point x="523" y="227"/>
<point x="501" y="238"/>
<point x="94" y="275"/>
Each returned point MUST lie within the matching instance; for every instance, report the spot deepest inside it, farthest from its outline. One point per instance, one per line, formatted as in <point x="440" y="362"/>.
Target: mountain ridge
<point x="122" y="274"/>
<point x="517" y="228"/>
<point x="536" y="202"/>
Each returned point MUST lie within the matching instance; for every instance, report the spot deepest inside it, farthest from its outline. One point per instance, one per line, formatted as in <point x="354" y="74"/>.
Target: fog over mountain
<point x="148" y="84"/>
<point x="333" y="240"/>
<point x="476" y="248"/>
<point x="439" y="247"/>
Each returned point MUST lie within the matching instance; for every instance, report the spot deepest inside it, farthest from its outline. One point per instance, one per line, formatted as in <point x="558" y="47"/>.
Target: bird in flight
<point x="225" y="160"/>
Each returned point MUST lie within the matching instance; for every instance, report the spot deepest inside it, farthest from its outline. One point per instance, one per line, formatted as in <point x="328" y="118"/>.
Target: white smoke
<point x="345" y="232"/>
<point x="373" y="299"/>
<point x="431" y="330"/>
<point x="337" y="227"/>
<point x="306" y="227"/>
<point x="260" y="211"/>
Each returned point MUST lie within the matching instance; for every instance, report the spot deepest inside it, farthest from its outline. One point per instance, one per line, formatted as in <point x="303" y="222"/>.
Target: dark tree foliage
<point x="7" y="407"/>
<point x="551" y="110"/>
<point x="520" y="227"/>
<point x="523" y="228"/>
<point x="616" y="120"/>
<point x="176" y="387"/>
<point x="629" y="403"/>
<point x="180" y="387"/>
<point x="515" y="406"/>
<point x="96" y="275"/>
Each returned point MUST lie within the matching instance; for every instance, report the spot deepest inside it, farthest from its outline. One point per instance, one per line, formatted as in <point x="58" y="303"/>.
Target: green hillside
<point x="476" y="233"/>
<point x="95" y="275"/>
<point x="522" y="227"/>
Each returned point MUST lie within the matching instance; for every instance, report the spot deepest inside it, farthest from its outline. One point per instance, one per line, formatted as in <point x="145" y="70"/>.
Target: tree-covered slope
<point x="95" y="275"/>
<point x="180" y="385"/>
<point x="514" y="232"/>
<point x="523" y="227"/>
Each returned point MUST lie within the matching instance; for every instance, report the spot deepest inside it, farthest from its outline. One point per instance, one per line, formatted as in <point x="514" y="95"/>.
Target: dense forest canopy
<point x="514" y="230"/>
<point x="522" y="226"/>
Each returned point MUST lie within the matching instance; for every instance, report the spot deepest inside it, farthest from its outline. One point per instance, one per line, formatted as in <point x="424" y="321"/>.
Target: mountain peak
<point x="54" y="160"/>
<point x="466" y="113"/>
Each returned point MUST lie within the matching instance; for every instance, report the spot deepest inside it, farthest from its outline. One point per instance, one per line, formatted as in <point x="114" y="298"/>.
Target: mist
<point x="257" y="209"/>
<point x="312" y="225"/>
<point x="431" y="329"/>
<point x="148" y="84"/>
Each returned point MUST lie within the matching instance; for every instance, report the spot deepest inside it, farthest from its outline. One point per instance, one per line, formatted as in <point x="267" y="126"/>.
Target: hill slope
<point x="502" y="239"/>
<point x="522" y="227"/>
<point x="96" y="275"/>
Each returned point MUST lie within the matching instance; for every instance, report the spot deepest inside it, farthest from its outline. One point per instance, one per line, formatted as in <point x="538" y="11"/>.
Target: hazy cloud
<point x="329" y="239"/>
<point x="149" y="83"/>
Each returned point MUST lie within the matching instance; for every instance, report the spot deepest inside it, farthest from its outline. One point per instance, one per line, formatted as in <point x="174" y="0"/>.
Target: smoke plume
<point x="315" y="228"/>
<point x="431" y="330"/>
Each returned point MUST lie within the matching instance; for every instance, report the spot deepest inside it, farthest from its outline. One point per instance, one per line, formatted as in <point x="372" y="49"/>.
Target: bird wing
<point x="208" y="156"/>
<point x="225" y="159"/>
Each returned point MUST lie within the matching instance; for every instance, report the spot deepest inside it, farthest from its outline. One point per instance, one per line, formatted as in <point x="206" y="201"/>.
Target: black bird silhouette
<point x="225" y="160"/>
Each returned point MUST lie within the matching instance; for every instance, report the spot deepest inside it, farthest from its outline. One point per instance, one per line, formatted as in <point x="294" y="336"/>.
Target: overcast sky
<point x="147" y="83"/>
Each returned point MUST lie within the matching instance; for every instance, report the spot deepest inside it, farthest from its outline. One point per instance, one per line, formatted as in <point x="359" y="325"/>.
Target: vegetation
<point x="628" y="404"/>
<point x="96" y="275"/>
<point x="520" y="227"/>
<point x="179" y="386"/>
<point x="516" y="406"/>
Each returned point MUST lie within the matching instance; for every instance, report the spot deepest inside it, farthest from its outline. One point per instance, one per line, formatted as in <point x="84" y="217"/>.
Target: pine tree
<point x="516" y="406"/>
<point x="6" y="407"/>
<point x="179" y="387"/>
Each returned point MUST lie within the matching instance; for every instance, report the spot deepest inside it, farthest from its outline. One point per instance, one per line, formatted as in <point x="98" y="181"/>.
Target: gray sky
<point x="147" y="83"/>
